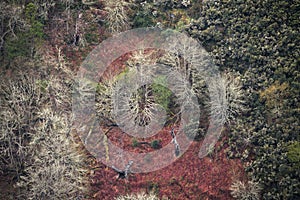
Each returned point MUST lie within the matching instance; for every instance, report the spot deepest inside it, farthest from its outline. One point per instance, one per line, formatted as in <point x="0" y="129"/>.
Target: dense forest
<point x="45" y="45"/>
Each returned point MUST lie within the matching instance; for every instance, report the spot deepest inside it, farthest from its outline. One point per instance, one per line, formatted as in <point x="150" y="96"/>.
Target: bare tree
<point x="117" y="16"/>
<point x="177" y="147"/>
<point x="89" y="2"/>
<point x="11" y="21"/>
<point x="136" y="65"/>
<point x="18" y="103"/>
<point x="44" y="8"/>
<point x="104" y="103"/>
<point x="139" y="196"/>
<point x="123" y="173"/>
<point x="37" y="142"/>
<point x="226" y="97"/>
<point x="56" y="169"/>
<point x="245" y="191"/>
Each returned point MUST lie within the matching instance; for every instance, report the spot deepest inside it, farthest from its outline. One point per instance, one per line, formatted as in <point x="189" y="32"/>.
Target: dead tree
<point x="123" y="173"/>
<point x="174" y="141"/>
<point x="117" y="16"/>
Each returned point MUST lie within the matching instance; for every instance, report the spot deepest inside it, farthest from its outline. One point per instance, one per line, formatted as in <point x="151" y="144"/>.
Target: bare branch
<point x="117" y="18"/>
<point x="226" y="97"/>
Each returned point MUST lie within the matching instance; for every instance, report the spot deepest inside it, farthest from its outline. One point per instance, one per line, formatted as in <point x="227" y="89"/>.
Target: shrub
<point x="264" y="50"/>
<point x="140" y="196"/>
<point x="56" y="168"/>
<point x="36" y="141"/>
<point x="117" y="17"/>
<point x="245" y="191"/>
<point x="293" y="154"/>
<point x="35" y="33"/>
<point x="135" y="143"/>
<point x="155" y="144"/>
<point x="226" y="98"/>
<point x="17" y="47"/>
<point x="19" y="101"/>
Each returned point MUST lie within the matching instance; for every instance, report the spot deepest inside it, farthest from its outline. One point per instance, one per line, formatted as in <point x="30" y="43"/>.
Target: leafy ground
<point x="187" y="178"/>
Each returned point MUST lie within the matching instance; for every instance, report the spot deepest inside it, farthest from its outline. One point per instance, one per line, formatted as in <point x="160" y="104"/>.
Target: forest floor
<point x="189" y="177"/>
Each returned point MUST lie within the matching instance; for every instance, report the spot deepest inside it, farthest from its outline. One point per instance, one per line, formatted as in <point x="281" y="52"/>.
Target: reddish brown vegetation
<point x="187" y="178"/>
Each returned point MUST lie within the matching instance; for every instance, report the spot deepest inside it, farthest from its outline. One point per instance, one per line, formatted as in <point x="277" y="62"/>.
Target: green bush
<point x="294" y="154"/>
<point x="155" y="144"/>
<point x="27" y="40"/>
<point x="142" y="21"/>
<point x="135" y="143"/>
<point x="91" y="38"/>
<point x="17" y="47"/>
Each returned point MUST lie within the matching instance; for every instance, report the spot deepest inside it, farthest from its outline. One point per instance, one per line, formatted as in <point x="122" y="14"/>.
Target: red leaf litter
<point x="189" y="177"/>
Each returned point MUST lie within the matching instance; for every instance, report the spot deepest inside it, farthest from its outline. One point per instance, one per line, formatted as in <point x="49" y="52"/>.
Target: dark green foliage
<point x="155" y="144"/>
<point x="168" y="13"/>
<point x="91" y="37"/>
<point x="143" y="15"/>
<point x="36" y="27"/>
<point x="143" y="20"/>
<point x="196" y="9"/>
<point x="242" y="35"/>
<point x="271" y="166"/>
<point x="31" y="12"/>
<point x="26" y="41"/>
<point x="35" y="32"/>
<point x="260" y="40"/>
<point x="264" y="137"/>
<point x="135" y="143"/>
<point x="15" y="47"/>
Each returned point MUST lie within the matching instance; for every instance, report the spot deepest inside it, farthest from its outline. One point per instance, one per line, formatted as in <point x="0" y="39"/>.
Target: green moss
<point x="122" y="75"/>
<point x="43" y="84"/>
<point x="294" y="154"/>
<point x="161" y="93"/>
<point x="143" y="21"/>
